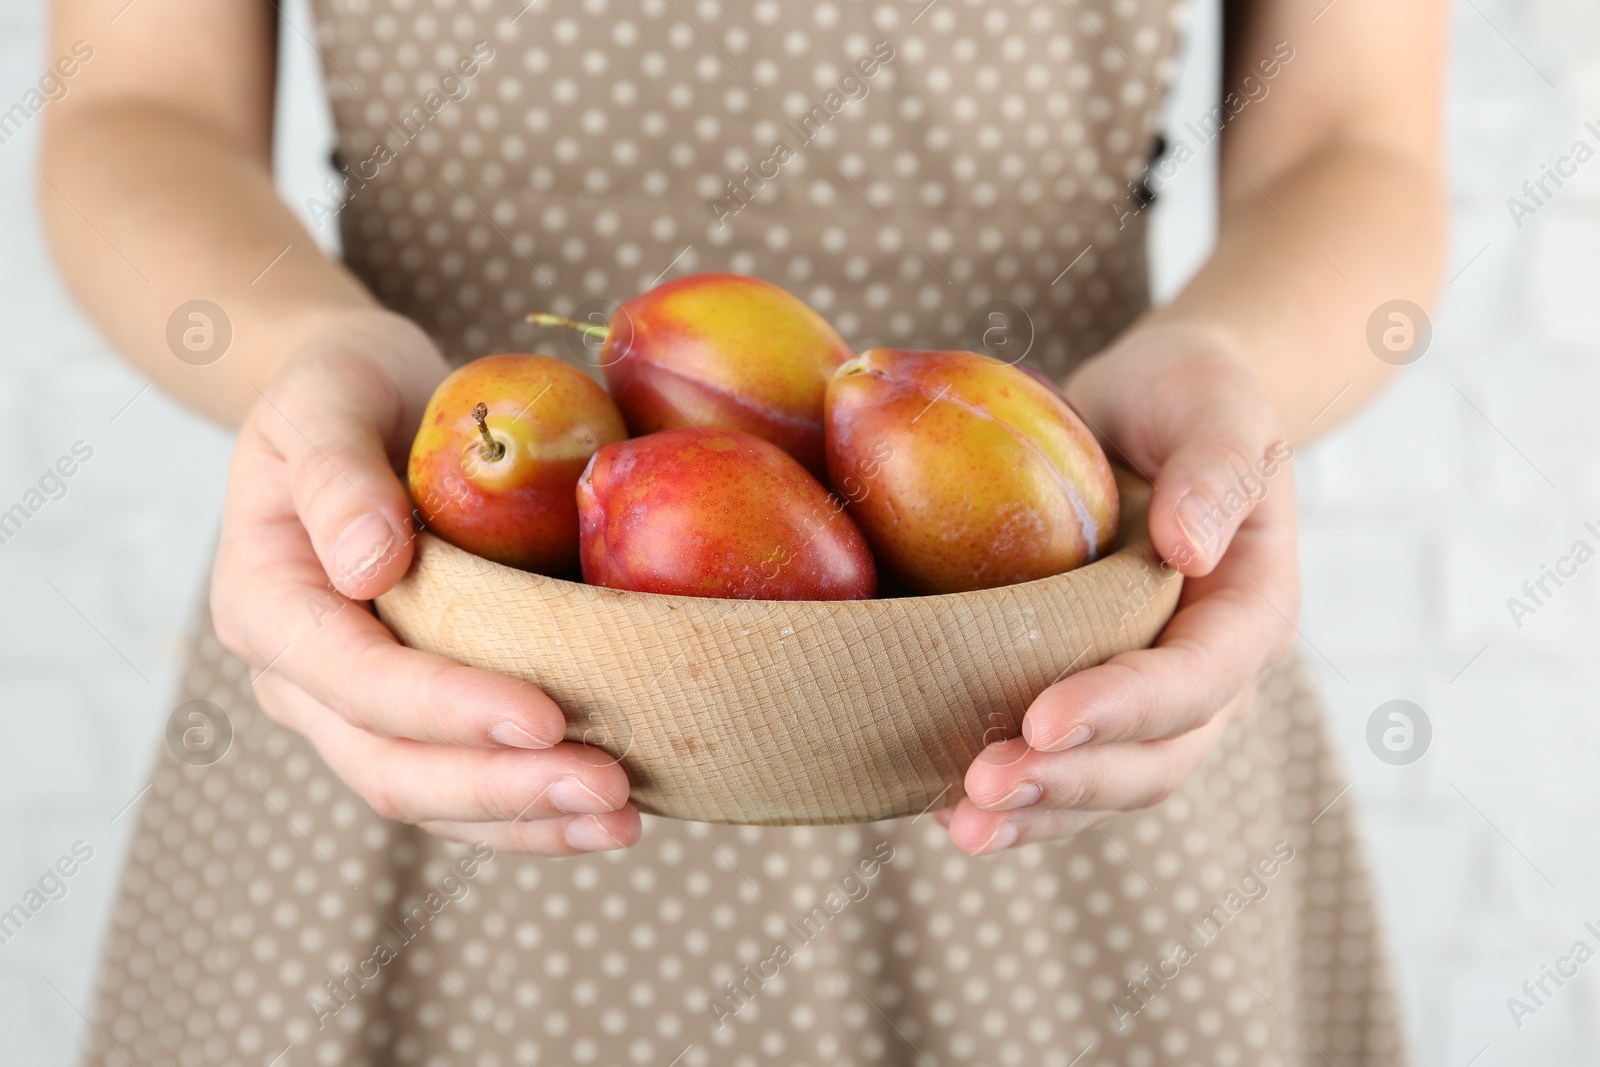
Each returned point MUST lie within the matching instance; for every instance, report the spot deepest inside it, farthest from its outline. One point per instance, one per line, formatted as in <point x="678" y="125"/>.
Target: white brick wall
<point x="1419" y="521"/>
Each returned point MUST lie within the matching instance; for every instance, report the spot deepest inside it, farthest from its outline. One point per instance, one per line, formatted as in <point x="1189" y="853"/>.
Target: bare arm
<point x="1332" y="197"/>
<point x="156" y="189"/>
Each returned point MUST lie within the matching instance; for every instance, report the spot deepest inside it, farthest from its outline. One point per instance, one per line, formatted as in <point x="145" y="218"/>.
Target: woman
<point x="303" y="898"/>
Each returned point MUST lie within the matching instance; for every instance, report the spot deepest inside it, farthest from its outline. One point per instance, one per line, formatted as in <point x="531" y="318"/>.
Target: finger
<point x="1119" y="777"/>
<point x="1219" y="473"/>
<point x="1229" y="624"/>
<point x="272" y="606"/>
<point x="342" y="423"/>
<point x="1212" y="431"/>
<point x="980" y="833"/>
<point x="1179" y="403"/>
<point x="548" y="837"/>
<point x="410" y="781"/>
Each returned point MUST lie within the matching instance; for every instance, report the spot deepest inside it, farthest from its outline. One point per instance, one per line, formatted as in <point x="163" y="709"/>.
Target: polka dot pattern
<point x="991" y="155"/>
<point x="259" y="890"/>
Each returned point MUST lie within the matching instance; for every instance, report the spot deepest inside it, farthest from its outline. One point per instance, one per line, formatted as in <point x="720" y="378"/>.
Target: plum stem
<point x="492" y="450"/>
<point x="544" y="318"/>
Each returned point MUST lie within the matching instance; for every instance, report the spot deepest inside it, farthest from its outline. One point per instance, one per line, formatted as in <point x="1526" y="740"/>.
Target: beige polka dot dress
<point x="911" y="169"/>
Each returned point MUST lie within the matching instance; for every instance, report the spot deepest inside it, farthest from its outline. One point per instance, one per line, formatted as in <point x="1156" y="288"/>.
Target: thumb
<point x="1220" y="468"/>
<point x="341" y="418"/>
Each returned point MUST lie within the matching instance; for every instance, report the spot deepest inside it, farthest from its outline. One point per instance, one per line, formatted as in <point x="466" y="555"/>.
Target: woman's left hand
<point x="1181" y="408"/>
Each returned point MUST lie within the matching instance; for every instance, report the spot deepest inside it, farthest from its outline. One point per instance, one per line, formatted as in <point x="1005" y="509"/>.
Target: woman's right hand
<point x="316" y="523"/>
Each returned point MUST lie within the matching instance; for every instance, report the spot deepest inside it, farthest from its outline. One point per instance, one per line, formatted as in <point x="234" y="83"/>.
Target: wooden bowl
<point x="783" y="713"/>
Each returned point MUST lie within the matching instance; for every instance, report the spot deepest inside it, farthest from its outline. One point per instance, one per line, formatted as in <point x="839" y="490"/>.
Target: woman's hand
<point x="316" y="522"/>
<point x="1179" y="407"/>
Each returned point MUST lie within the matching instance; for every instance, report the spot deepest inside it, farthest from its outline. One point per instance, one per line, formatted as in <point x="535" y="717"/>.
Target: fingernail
<point x="1004" y="836"/>
<point x="575" y="798"/>
<point x="362" y="545"/>
<point x="509" y="733"/>
<point x="1003" y="753"/>
<point x="590" y="835"/>
<point x="1201" y="523"/>
<point x="1075" y="737"/>
<point x="1020" y="797"/>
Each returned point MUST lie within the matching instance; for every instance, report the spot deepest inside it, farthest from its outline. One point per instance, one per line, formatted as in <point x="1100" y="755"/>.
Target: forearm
<point x="148" y="209"/>
<point x="1302" y="262"/>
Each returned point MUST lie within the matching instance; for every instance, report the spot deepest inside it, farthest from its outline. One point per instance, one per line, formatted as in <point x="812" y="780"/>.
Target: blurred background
<point x="1420" y="519"/>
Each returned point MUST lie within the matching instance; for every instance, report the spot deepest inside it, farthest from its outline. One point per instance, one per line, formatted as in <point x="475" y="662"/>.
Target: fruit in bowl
<point x="717" y="513"/>
<point x="495" y="464"/>
<point x="964" y="472"/>
<point x="720" y="350"/>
